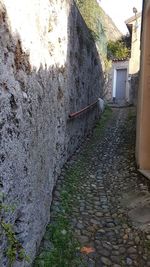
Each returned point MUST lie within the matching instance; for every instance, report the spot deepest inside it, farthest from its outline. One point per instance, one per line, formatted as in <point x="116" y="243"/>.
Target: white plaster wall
<point x="134" y="63"/>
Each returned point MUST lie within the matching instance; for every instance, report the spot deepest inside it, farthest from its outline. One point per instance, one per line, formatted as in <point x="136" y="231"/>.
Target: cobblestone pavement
<point x="99" y="220"/>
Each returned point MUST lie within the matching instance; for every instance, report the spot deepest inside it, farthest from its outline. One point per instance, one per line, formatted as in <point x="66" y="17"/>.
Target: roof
<point x="129" y="22"/>
<point x="131" y="19"/>
<point x="122" y="59"/>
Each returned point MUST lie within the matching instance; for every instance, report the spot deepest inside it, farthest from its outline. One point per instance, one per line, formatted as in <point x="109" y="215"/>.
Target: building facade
<point x="134" y="27"/>
<point x="143" y="111"/>
<point x="124" y="75"/>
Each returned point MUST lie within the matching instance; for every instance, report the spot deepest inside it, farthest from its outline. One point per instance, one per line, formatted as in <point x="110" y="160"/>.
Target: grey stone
<point x="83" y="239"/>
<point x="137" y="240"/>
<point x="115" y="259"/>
<point x="106" y="261"/>
<point x="80" y="226"/>
<point x="105" y="252"/>
<point x="101" y="231"/>
<point x="91" y="263"/>
<point x="122" y="250"/>
<point x="115" y="253"/>
<point x="129" y="261"/>
<point x="132" y="250"/>
<point x="107" y="246"/>
<point x="99" y="214"/>
<point x="93" y="221"/>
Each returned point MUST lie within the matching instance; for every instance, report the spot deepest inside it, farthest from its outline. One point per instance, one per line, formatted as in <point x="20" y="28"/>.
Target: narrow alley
<point x="91" y="202"/>
<point x="74" y="133"/>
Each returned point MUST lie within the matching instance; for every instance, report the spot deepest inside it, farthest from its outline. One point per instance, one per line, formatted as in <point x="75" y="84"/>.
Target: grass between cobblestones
<point x="65" y="248"/>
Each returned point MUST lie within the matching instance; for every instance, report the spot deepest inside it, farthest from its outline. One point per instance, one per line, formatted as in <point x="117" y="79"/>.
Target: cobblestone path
<point x="98" y="218"/>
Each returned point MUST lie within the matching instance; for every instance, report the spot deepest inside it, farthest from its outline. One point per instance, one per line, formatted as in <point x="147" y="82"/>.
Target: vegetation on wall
<point x="14" y="250"/>
<point x="119" y="49"/>
<point x="92" y="15"/>
<point x="108" y="49"/>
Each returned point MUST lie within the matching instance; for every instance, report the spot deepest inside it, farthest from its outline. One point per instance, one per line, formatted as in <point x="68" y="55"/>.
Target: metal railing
<point x="75" y="114"/>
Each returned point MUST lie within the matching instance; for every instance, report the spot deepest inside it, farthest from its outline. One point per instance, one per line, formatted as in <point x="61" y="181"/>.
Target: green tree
<point x="118" y="50"/>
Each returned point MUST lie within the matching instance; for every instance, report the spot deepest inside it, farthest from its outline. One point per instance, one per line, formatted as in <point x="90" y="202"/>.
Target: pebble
<point x="137" y="240"/>
<point x="105" y="252"/>
<point x="83" y="239"/>
<point x="80" y="226"/>
<point x="125" y="237"/>
<point x="99" y="214"/>
<point x="122" y="250"/>
<point x="106" y="261"/>
<point x="129" y="261"/>
<point x="132" y="250"/>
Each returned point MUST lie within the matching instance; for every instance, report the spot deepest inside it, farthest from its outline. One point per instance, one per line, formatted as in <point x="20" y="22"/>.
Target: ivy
<point x="14" y="250"/>
<point x="93" y="17"/>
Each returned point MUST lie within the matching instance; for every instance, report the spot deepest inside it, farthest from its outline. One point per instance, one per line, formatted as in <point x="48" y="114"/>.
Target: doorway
<point x="121" y="77"/>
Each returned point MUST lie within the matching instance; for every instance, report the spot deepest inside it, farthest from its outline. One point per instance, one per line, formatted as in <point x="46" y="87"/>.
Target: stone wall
<point x="134" y="85"/>
<point x="49" y="68"/>
<point x="111" y="31"/>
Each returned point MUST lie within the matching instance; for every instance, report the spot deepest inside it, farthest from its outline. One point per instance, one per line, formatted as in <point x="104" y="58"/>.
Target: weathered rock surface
<point x="49" y="68"/>
<point x="111" y="30"/>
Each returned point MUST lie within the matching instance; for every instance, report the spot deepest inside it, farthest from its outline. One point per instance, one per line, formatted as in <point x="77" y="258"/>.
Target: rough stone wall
<point x="108" y="95"/>
<point x="49" y="68"/>
<point x="134" y="85"/>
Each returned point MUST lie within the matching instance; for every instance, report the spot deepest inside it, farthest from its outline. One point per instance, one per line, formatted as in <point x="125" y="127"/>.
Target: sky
<point x="120" y="10"/>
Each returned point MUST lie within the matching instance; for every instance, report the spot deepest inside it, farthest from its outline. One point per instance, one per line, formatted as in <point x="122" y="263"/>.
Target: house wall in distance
<point x="111" y="85"/>
<point x="134" y="63"/>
